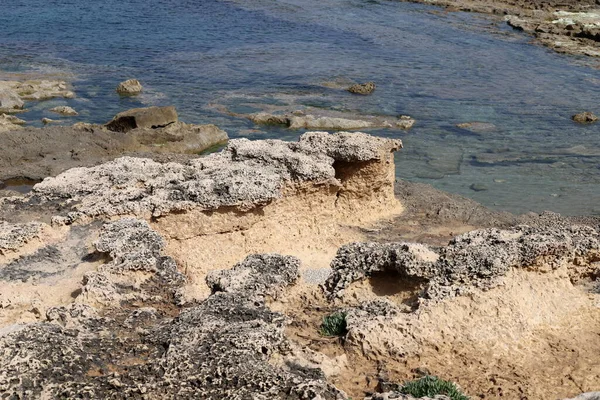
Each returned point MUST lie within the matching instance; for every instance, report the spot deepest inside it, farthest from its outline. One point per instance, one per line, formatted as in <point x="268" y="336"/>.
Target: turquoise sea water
<point x="440" y="68"/>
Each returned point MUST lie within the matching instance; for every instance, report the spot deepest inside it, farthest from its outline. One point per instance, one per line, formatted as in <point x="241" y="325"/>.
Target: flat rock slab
<point x="151" y="117"/>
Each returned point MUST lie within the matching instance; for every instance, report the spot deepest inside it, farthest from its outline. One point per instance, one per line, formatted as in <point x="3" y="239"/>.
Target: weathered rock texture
<point x="129" y="87"/>
<point x="105" y="345"/>
<point x="64" y="110"/>
<point x="10" y="101"/>
<point x="10" y="123"/>
<point x="584" y="118"/>
<point x="362" y="88"/>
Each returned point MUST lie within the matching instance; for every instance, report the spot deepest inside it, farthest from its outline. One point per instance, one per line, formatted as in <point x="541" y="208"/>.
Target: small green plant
<point x="334" y="325"/>
<point x="431" y="386"/>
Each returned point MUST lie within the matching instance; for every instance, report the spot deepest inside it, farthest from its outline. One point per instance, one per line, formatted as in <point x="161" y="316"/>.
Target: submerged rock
<point x="331" y="121"/>
<point x="38" y="89"/>
<point x="150" y="117"/>
<point x="129" y="87"/>
<point x="584" y="117"/>
<point x="362" y="88"/>
<point x="64" y="110"/>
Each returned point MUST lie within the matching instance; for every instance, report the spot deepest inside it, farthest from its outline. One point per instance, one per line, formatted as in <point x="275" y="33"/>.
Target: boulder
<point x="362" y="88"/>
<point x="150" y="117"/>
<point x="129" y="87"/>
<point x="584" y="118"/>
<point x="10" y="101"/>
<point x="47" y="121"/>
<point x="64" y="110"/>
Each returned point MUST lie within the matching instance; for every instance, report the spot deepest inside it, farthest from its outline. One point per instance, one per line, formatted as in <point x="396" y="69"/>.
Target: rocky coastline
<point x="569" y="26"/>
<point x="208" y="277"/>
<point x="149" y="258"/>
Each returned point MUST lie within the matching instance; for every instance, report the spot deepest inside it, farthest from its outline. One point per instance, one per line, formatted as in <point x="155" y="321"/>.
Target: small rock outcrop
<point x="331" y="121"/>
<point x="14" y="236"/>
<point x="10" y="101"/>
<point x="362" y="88"/>
<point x="150" y="117"/>
<point x="585" y="118"/>
<point x="38" y="89"/>
<point x="244" y="175"/>
<point x="10" y="122"/>
<point x="129" y="87"/>
<point x="64" y="110"/>
<point x="47" y="121"/>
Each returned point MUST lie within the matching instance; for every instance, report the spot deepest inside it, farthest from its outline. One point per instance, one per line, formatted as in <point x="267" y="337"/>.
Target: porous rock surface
<point x="477" y="259"/>
<point x="104" y="345"/>
<point x="149" y="117"/>
<point x="64" y="110"/>
<point x="244" y="175"/>
<point x="13" y="236"/>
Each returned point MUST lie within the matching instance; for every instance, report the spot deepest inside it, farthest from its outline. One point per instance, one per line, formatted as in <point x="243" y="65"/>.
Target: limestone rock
<point x="245" y="174"/>
<point x="10" y="122"/>
<point x="64" y="110"/>
<point x="47" y="121"/>
<point x="129" y="87"/>
<point x="584" y="117"/>
<point x="10" y="101"/>
<point x="38" y="89"/>
<point x="475" y="259"/>
<point x="14" y="236"/>
<point x="150" y="117"/>
<point x="362" y="88"/>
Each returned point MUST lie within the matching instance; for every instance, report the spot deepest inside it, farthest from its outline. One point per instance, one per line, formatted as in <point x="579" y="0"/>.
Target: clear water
<point x="441" y="68"/>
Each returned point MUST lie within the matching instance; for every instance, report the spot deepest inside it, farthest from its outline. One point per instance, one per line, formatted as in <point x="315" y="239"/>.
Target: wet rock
<point x="362" y="88"/>
<point x="47" y="121"/>
<point x="150" y="117"/>
<point x="477" y="127"/>
<point x="129" y="87"/>
<point x="264" y="118"/>
<point x="180" y="137"/>
<point x="38" y="89"/>
<point x="10" y="101"/>
<point x="64" y="110"/>
<point x="331" y="121"/>
<point x="584" y="117"/>
<point x="478" y="187"/>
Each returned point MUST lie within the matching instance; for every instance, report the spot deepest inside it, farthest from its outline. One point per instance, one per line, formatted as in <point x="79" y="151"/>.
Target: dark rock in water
<point x="151" y="117"/>
<point x="362" y="88"/>
<point x="478" y="187"/>
<point x="477" y="127"/>
<point x="584" y="118"/>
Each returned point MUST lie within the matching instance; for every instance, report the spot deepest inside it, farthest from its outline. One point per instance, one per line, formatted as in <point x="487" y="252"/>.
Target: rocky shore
<point x="567" y="26"/>
<point x="210" y="277"/>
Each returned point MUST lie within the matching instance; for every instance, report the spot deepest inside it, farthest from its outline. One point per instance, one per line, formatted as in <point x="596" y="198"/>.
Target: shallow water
<point x="441" y="68"/>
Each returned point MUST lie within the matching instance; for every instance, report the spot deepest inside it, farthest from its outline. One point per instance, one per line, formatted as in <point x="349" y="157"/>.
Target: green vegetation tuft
<point x="334" y="325"/>
<point x="431" y="386"/>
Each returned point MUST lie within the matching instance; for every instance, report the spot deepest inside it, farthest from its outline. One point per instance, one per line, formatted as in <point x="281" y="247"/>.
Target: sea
<point x="442" y="68"/>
